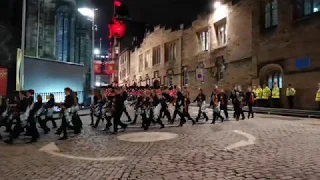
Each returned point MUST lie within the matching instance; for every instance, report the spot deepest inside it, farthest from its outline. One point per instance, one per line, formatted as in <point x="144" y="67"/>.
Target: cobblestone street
<point x="279" y="148"/>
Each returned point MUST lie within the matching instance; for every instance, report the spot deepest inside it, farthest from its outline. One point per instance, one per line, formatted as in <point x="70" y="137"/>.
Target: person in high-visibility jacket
<point x="290" y="92"/>
<point x="275" y="95"/>
<point x="318" y="96"/>
<point x="266" y="92"/>
<point x="258" y="95"/>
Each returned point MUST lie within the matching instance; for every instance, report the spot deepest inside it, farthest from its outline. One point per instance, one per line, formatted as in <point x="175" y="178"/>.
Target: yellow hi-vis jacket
<point x="275" y="93"/>
<point x="318" y="96"/>
<point x="290" y="92"/>
<point x="266" y="93"/>
<point x="258" y="93"/>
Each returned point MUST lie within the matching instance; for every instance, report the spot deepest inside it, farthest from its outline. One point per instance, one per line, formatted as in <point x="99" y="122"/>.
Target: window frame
<point x="156" y="55"/>
<point x="204" y="40"/>
<point x="270" y="14"/>
<point x="170" y="51"/>
<point x="302" y="13"/>
<point x="140" y="62"/>
<point x="217" y="26"/>
<point x="274" y="75"/>
<point x="185" y="76"/>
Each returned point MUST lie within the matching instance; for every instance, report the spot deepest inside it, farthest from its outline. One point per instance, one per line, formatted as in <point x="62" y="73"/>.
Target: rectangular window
<point x="170" y="51"/>
<point x="204" y="40"/>
<point x="147" y="60"/>
<point x="271" y="14"/>
<point x="140" y="63"/>
<point x="221" y="31"/>
<point x="185" y="76"/>
<point x="302" y="8"/>
<point x="156" y="55"/>
<point x="128" y="64"/>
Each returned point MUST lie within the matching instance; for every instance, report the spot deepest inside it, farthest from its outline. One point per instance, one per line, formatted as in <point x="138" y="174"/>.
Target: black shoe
<point x="129" y="120"/>
<point x="31" y="141"/>
<point x="8" y="141"/>
<point x="162" y="126"/>
<point x="114" y="133"/>
<point x="63" y="138"/>
<point x="213" y="122"/>
<point x="222" y="119"/>
<point x="133" y="123"/>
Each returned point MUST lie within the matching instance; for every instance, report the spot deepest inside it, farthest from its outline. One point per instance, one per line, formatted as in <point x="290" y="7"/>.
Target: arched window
<point x="63" y="34"/>
<point x="274" y="77"/>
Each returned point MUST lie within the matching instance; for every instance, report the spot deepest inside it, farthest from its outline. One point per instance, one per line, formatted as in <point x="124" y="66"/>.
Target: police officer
<point x="275" y="95"/>
<point x="290" y="92"/>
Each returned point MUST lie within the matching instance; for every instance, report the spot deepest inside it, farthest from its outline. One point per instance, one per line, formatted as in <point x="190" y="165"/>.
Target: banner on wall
<point x="108" y="68"/>
<point x="97" y="67"/>
<point x="200" y="74"/>
<point x="3" y="81"/>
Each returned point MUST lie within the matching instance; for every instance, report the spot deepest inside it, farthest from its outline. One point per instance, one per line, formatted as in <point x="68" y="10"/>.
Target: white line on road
<point x="52" y="149"/>
<point x="251" y="140"/>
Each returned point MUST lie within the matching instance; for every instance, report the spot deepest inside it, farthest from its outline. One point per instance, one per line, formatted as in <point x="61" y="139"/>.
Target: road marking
<point x="53" y="149"/>
<point x="147" y="136"/>
<point x="251" y="140"/>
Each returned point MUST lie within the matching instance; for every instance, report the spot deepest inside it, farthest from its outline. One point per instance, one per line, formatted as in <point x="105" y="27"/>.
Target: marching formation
<point x="151" y="105"/>
<point x="23" y="113"/>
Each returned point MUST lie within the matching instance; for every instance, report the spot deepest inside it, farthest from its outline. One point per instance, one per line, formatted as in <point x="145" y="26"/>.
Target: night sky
<point x="154" y="12"/>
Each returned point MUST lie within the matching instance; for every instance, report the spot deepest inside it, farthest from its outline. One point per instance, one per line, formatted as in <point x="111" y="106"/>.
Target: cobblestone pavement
<point x="285" y="148"/>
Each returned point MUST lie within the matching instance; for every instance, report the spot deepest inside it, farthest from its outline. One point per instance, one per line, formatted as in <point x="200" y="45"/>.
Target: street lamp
<point x="96" y="51"/>
<point x="89" y="12"/>
<point x="217" y="5"/>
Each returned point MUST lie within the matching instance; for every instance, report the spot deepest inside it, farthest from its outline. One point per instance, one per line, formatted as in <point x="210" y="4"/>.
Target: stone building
<point x="243" y="42"/>
<point x="59" y="38"/>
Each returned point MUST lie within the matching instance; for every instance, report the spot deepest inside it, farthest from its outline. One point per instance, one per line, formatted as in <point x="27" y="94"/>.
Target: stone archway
<point x="271" y="73"/>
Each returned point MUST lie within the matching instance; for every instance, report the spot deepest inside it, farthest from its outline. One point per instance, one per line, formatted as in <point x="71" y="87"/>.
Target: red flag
<point x="117" y="3"/>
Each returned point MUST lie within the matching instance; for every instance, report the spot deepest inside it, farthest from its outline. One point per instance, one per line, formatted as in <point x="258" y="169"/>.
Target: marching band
<point x="108" y="105"/>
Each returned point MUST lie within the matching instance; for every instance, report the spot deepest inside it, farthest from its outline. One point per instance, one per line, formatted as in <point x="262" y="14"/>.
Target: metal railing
<point x="60" y="96"/>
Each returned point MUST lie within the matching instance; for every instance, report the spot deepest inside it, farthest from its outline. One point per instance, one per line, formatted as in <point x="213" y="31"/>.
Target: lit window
<point x="170" y="80"/>
<point x="185" y="76"/>
<point x="141" y="63"/>
<point x="221" y="32"/>
<point x="204" y="40"/>
<point x="305" y="7"/>
<point x="271" y="14"/>
<point x="147" y="59"/>
<point x="274" y="77"/>
<point x="63" y="34"/>
<point x="156" y="55"/>
<point x="170" y="51"/>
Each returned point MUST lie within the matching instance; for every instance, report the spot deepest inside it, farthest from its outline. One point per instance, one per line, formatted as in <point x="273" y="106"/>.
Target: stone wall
<point x="278" y="49"/>
<point x="251" y="53"/>
<point x="160" y="36"/>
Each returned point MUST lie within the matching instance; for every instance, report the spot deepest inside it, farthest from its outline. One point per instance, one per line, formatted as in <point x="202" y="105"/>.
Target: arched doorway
<point x="156" y="84"/>
<point x="271" y="73"/>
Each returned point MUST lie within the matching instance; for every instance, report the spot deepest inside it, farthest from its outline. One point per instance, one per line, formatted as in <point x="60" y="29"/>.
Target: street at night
<point x="266" y="147"/>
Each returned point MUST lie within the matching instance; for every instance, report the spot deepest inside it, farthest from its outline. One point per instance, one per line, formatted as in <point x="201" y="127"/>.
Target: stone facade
<point x="249" y="55"/>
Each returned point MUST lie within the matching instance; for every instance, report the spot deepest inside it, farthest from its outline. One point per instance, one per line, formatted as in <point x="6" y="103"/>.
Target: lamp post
<point x="89" y="12"/>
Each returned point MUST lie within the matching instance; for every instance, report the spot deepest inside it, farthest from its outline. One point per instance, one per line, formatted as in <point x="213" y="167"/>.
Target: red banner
<point x="3" y="81"/>
<point x="108" y="69"/>
<point x="97" y="67"/>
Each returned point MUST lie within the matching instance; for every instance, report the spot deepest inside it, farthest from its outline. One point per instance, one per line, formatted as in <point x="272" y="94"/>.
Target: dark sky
<point x="153" y="12"/>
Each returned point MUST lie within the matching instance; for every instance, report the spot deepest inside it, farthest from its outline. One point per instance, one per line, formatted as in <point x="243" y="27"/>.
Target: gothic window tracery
<point x="63" y="33"/>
